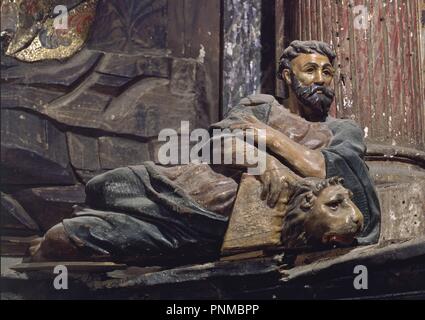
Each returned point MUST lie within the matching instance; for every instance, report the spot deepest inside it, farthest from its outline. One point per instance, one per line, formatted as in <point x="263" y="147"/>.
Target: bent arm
<point x="277" y="179"/>
<point x="307" y="162"/>
<point x="237" y="152"/>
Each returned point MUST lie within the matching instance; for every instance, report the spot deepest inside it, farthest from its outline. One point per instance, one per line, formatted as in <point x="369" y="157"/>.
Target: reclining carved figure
<point x="150" y="213"/>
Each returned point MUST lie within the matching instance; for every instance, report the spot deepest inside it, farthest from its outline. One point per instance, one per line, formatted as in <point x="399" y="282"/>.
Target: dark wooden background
<point x="147" y="65"/>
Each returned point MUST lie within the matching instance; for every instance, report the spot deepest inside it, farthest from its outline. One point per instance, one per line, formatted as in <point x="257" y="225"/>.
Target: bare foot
<point x="54" y="246"/>
<point x="35" y="245"/>
<point x="34" y="250"/>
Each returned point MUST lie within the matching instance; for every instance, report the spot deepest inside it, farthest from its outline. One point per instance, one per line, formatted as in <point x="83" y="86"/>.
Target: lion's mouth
<point x="337" y="239"/>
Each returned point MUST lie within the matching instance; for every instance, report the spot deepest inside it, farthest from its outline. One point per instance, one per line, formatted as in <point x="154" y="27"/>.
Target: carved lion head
<point x="321" y="213"/>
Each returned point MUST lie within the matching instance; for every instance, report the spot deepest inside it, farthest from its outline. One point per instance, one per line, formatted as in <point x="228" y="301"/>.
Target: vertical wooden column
<point x="422" y="37"/>
<point x="280" y="20"/>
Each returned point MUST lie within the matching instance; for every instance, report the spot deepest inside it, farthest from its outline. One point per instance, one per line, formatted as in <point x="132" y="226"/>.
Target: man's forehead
<point x="313" y="58"/>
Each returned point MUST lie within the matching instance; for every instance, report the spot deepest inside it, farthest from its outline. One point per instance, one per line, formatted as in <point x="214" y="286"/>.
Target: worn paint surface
<point x="241" y="51"/>
<point x="403" y="208"/>
<point x="194" y="32"/>
<point x="379" y="82"/>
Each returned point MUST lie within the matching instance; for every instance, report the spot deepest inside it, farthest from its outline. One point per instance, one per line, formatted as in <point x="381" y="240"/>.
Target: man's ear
<point x="286" y="75"/>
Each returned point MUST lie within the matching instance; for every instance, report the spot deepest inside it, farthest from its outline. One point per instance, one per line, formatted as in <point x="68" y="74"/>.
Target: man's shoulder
<point x="258" y="105"/>
<point x="336" y="124"/>
<point x="346" y="131"/>
<point x="259" y="99"/>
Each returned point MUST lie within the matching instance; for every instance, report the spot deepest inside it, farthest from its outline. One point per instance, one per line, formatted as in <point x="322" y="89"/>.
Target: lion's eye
<point x="333" y="205"/>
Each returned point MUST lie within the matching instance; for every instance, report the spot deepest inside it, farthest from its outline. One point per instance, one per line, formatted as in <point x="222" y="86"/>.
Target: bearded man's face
<point x="311" y="77"/>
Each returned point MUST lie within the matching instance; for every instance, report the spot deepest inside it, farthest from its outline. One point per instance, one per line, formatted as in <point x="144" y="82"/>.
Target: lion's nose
<point x="355" y="218"/>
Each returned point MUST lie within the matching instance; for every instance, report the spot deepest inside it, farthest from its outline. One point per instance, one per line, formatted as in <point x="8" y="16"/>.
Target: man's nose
<point x="319" y="79"/>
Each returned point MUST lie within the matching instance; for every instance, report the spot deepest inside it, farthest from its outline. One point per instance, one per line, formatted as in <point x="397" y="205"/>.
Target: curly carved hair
<point x="300" y="205"/>
<point x="298" y="47"/>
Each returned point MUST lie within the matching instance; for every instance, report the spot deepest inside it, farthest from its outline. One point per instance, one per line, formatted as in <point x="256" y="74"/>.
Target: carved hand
<point x="278" y="182"/>
<point x="251" y="122"/>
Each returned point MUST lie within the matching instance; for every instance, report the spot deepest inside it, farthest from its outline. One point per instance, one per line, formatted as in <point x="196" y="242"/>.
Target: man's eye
<point x="328" y="73"/>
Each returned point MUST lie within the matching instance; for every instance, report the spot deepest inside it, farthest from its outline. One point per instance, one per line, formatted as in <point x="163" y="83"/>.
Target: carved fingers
<point x="250" y="122"/>
<point x="276" y="188"/>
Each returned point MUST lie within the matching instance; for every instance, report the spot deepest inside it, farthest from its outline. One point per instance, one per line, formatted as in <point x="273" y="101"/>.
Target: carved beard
<point x="319" y="103"/>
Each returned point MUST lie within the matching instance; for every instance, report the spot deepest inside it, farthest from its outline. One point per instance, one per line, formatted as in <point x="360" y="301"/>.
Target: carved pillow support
<point x="253" y="225"/>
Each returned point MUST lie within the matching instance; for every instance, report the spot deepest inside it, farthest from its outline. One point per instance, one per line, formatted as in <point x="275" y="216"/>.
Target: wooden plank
<point x="405" y="88"/>
<point x="372" y="113"/>
<point x="361" y="34"/>
<point x="15" y="246"/>
<point x="253" y="225"/>
<point x="417" y="77"/>
<point x="421" y="14"/>
<point x="292" y="21"/>
<point x="72" y="266"/>
<point x="327" y="266"/>
<point x="345" y="59"/>
<point x="331" y="36"/>
<point x="355" y="110"/>
<point x="386" y="76"/>
<point x="327" y="30"/>
<point x="394" y="80"/>
<point x="378" y="76"/>
<point x="312" y="23"/>
<point x="190" y="274"/>
<point x="323" y="10"/>
<point x="338" y="79"/>
<point x="409" y="70"/>
<point x="279" y="40"/>
<point x="244" y="256"/>
<point x="315" y="20"/>
<point x="370" y="256"/>
<point x="303" y="19"/>
<point x="410" y="66"/>
<point x="299" y="20"/>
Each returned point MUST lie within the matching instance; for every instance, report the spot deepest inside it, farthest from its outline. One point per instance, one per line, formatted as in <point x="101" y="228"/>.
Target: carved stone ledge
<point x="399" y="176"/>
<point x="379" y="152"/>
